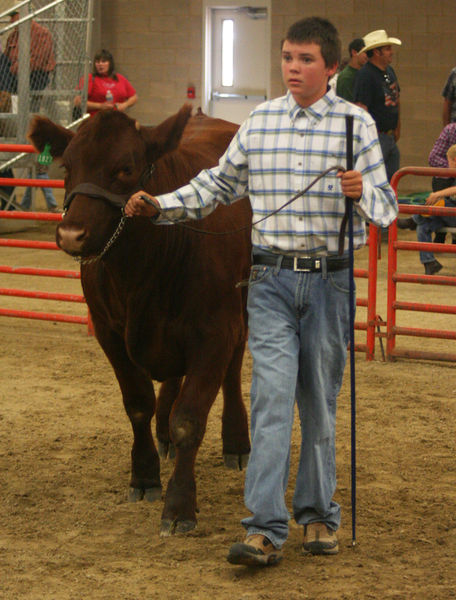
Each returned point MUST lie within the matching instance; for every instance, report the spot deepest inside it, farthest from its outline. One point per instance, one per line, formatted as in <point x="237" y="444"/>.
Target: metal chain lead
<point x="115" y="235"/>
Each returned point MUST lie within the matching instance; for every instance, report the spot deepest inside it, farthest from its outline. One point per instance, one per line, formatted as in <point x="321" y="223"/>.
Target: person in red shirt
<point x="106" y="88"/>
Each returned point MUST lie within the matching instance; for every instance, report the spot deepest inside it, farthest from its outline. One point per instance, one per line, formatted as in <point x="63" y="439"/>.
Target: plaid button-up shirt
<point x="446" y="139"/>
<point x="277" y="152"/>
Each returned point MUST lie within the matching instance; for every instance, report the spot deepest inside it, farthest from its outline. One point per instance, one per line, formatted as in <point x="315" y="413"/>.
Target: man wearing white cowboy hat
<point x="377" y="91"/>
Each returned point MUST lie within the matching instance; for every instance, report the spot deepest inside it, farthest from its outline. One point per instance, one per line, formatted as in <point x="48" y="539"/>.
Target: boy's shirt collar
<point x="317" y="110"/>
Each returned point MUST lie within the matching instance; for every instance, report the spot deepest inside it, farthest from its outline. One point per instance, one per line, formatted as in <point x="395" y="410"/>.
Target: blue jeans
<point x="390" y="152"/>
<point x="298" y="336"/>
<point x="47" y="192"/>
<point x="426" y="226"/>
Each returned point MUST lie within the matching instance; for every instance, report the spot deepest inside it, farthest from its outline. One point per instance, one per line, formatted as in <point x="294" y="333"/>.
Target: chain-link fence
<point x="46" y="50"/>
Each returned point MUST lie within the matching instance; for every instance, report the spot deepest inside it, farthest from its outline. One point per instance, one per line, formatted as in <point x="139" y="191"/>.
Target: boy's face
<point x="304" y="71"/>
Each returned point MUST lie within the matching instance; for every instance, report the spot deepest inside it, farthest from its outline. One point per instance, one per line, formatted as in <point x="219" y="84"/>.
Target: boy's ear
<point x="332" y="70"/>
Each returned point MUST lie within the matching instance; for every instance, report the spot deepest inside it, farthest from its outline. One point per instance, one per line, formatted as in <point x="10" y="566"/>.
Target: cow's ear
<point x="166" y="136"/>
<point x="43" y="131"/>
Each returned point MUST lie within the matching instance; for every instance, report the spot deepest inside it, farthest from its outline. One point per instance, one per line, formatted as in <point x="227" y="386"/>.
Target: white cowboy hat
<point x="378" y="38"/>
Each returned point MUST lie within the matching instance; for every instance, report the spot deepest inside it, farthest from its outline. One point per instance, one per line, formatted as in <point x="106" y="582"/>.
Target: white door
<point x="237" y="69"/>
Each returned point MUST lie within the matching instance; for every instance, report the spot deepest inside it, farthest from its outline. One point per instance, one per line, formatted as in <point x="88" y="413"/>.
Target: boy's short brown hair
<point x="319" y="31"/>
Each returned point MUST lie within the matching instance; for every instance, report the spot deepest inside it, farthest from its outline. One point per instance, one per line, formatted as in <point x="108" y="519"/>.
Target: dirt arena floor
<point x="68" y="533"/>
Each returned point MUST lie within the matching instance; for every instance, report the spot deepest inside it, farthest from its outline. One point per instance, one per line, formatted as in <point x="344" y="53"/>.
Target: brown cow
<point x="163" y="298"/>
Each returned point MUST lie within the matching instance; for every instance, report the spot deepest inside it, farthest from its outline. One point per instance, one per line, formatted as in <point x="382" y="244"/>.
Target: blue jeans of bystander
<point x="298" y="336"/>
<point x="390" y="152"/>
<point x="426" y="226"/>
<point x="47" y="192"/>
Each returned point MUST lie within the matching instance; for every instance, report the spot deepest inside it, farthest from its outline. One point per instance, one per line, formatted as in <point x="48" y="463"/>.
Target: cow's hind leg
<point x="169" y="390"/>
<point x="139" y="401"/>
<point x="235" y="428"/>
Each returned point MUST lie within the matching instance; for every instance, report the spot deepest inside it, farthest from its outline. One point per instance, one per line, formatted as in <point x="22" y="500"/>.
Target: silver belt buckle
<point x="304" y="270"/>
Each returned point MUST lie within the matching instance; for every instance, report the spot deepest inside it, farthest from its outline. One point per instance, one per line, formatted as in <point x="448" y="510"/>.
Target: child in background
<point x="426" y="225"/>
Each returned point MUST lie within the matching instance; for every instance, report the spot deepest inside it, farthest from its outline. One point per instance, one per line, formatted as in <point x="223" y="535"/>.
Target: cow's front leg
<point x="145" y="462"/>
<point x="179" y="512"/>
<point x="139" y="402"/>
<point x="187" y="427"/>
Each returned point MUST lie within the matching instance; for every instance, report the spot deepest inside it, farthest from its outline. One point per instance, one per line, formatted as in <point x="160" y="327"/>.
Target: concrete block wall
<point x="157" y="44"/>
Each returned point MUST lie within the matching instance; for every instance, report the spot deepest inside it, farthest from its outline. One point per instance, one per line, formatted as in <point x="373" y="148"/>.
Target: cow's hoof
<point x="236" y="461"/>
<point x="185" y="526"/>
<point x="135" y="494"/>
<point x="166" y="450"/>
<point x="167" y="528"/>
<point x="149" y="494"/>
<point x="152" y="494"/>
<point x="170" y="527"/>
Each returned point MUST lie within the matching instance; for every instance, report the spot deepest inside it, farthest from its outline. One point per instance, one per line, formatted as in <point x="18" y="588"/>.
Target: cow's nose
<point x="70" y="240"/>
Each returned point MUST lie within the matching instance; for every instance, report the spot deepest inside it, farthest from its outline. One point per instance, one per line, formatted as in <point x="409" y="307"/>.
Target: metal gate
<point x="395" y="277"/>
<point x="46" y="50"/>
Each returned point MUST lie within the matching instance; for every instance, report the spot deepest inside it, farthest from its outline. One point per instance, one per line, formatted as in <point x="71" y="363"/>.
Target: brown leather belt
<point x="300" y="263"/>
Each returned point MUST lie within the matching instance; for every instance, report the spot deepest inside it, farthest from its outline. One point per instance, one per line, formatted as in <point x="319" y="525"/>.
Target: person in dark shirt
<point x="377" y="91"/>
<point x="449" y="99"/>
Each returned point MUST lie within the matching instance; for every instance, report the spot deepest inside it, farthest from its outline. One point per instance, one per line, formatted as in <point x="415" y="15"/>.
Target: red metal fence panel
<point x="394" y="277"/>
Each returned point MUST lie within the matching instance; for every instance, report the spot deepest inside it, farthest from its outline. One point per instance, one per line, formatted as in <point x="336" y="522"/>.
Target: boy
<point x="298" y="290"/>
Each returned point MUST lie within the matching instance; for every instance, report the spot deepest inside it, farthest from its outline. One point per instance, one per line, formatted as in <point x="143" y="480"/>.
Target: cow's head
<point x="104" y="162"/>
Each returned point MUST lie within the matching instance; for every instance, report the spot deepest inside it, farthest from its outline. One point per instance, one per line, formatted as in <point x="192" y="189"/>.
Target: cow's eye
<point x="124" y="173"/>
